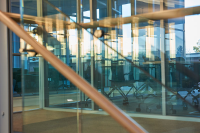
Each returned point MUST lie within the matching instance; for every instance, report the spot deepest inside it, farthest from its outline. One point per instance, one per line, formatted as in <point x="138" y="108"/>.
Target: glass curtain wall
<point x="143" y="66"/>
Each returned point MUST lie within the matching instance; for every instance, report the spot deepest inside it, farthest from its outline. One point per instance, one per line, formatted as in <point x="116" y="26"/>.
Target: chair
<point x="118" y="80"/>
<point x="147" y="83"/>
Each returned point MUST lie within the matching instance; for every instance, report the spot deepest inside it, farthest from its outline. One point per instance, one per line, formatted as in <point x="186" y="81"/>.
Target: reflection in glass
<point x="142" y="66"/>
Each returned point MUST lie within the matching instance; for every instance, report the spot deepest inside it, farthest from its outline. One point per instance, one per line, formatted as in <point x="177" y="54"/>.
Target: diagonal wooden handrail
<point x="126" y="121"/>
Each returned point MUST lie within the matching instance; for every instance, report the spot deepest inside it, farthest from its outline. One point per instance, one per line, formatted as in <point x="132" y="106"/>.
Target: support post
<point x="5" y="113"/>
<point x="162" y="54"/>
<point x="41" y="61"/>
<point x="78" y="54"/>
<point x="93" y="17"/>
<point x="107" y="51"/>
<point x="78" y="64"/>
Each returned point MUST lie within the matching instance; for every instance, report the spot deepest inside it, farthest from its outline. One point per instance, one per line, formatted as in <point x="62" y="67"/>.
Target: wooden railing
<point x="126" y="121"/>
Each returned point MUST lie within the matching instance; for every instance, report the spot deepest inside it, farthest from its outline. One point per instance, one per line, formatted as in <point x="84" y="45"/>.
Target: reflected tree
<point x="197" y="48"/>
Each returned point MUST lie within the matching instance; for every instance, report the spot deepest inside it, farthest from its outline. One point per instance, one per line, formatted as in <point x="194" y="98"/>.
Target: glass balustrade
<point x="145" y="67"/>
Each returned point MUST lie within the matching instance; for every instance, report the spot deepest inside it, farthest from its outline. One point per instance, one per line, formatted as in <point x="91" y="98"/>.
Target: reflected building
<point x="143" y="62"/>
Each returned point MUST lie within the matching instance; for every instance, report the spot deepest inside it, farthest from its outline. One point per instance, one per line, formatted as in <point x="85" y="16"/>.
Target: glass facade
<point x="145" y="63"/>
<point x="17" y="100"/>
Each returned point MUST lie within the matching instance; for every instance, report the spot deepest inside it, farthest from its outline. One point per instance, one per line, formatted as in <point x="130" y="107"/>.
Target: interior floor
<point x="45" y="121"/>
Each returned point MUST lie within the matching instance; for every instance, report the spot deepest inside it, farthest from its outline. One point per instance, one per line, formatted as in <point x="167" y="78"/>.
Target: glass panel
<point x="30" y="7"/>
<point x="17" y="99"/>
<point x="141" y="65"/>
<point x="17" y="89"/>
<point x="30" y="83"/>
<point x="16" y="77"/>
<point x="182" y="67"/>
<point x="126" y="84"/>
<point x="44" y="86"/>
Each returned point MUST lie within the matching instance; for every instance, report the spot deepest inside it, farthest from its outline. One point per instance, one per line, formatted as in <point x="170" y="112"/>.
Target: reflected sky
<point x="191" y="31"/>
<point x="192" y="27"/>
